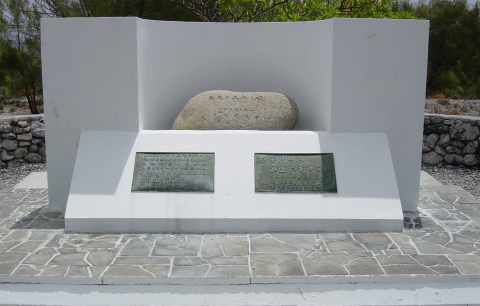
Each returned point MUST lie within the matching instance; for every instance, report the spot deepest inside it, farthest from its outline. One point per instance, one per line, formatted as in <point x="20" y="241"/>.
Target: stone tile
<point x="399" y="238"/>
<point x="12" y="257"/>
<point x="73" y="259"/>
<point x="407" y="269"/>
<point x="97" y="270"/>
<point x="37" y="259"/>
<point x="41" y="235"/>
<point x="364" y="266"/>
<point x="17" y="235"/>
<point x="193" y="243"/>
<point x="158" y="270"/>
<point x="463" y="248"/>
<point x="141" y="260"/>
<point x="29" y="246"/>
<point x="345" y="258"/>
<point x="445" y="269"/>
<point x="4" y="246"/>
<point x="123" y="270"/>
<point x="212" y="250"/>
<point x="54" y="271"/>
<point x="319" y="265"/>
<point x="25" y="270"/>
<point x="454" y="226"/>
<point x="276" y="264"/>
<point x="300" y="241"/>
<point x="66" y="250"/>
<point x="228" y="271"/>
<point x="227" y="261"/>
<point x="78" y="271"/>
<point x="268" y="244"/>
<point x="55" y="242"/>
<point x="102" y="245"/>
<point x="336" y="236"/>
<point x="432" y="248"/>
<point x="195" y="271"/>
<point x="101" y="257"/>
<point x="372" y="241"/>
<point x="236" y="248"/>
<point x="338" y="246"/>
<point x="138" y="248"/>
<point x="172" y="251"/>
<point x="7" y="267"/>
<point x="467" y="264"/>
<point x="54" y="225"/>
<point x="432" y="260"/>
<point x="188" y="261"/>
<point x="395" y="260"/>
<point x="170" y="240"/>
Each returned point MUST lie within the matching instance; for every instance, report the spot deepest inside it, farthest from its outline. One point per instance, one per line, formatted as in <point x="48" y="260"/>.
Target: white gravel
<point x="468" y="179"/>
<point x="11" y="177"/>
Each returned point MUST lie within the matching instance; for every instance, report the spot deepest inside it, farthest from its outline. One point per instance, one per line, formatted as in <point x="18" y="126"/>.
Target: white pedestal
<point x="101" y="200"/>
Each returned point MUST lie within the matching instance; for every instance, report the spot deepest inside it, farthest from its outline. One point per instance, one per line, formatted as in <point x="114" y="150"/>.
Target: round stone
<point x="226" y="110"/>
<point x="432" y="158"/>
<point x="33" y="158"/>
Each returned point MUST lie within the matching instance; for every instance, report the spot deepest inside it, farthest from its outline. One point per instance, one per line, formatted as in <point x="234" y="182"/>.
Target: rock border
<point x="22" y="140"/>
<point x="452" y="140"/>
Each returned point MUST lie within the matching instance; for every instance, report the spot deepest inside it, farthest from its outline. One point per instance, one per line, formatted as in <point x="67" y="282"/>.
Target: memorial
<point x="355" y="160"/>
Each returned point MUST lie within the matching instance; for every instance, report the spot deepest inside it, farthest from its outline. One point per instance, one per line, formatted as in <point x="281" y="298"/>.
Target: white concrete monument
<point x="114" y="86"/>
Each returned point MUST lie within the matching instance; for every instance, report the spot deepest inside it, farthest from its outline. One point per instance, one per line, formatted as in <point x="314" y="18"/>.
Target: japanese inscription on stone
<point x="295" y="173"/>
<point x="174" y="172"/>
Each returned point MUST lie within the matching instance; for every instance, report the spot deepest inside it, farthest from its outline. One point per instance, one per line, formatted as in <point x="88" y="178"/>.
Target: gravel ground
<point x="468" y="179"/>
<point x="10" y="177"/>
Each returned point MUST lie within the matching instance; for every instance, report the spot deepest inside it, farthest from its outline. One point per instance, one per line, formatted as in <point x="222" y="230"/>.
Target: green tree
<point x="288" y="10"/>
<point x="304" y="10"/>
<point x="20" y="51"/>
<point x="454" y="45"/>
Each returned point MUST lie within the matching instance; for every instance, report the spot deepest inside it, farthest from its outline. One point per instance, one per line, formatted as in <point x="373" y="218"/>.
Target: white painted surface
<point x="379" y="73"/>
<point x="128" y="74"/>
<point x="100" y="199"/>
<point x="37" y="180"/>
<point x="461" y="293"/>
<point x="90" y="82"/>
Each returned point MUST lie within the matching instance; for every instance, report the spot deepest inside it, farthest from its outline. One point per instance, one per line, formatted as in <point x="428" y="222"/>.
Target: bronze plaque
<point x="295" y="173"/>
<point x="174" y="172"/>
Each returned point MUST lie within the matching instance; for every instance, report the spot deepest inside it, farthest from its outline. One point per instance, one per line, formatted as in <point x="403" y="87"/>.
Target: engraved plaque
<point x="174" y="172"/>
<point x="295" y="173"/>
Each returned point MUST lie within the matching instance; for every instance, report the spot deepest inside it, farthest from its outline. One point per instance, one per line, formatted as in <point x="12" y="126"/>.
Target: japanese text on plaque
<point x="177" y="172"/>
<point x="295" y="173"/>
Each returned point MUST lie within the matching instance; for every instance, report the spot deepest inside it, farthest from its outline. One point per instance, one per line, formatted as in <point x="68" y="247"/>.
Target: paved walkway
<point x="442" y="243"/>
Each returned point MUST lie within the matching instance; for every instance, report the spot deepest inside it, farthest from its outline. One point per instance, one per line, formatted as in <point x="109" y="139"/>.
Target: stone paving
<point x="443" y="238"/>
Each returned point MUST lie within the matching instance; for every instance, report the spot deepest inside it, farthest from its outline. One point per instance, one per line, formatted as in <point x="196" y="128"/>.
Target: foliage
<point x="20" y="51"/>
<point x="147" y="9"/>
<point x="289" y="10"/>
<point x="454" y="45"/>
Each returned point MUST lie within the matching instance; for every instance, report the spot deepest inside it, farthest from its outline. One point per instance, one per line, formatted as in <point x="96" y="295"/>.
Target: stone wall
<point x="452" y="140"/>
<point x="447" y="139"/>
<point x="22" y="140"/>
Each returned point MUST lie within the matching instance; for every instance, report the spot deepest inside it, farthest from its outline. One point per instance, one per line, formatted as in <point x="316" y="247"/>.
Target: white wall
<point x="129" y="74"/>
<point x="185" y="59"/>
<point x="379" y="73"/>
<point x="89" y="70"/>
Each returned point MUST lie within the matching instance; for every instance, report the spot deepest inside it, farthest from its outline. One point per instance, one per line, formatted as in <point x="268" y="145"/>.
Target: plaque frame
<point x="209" y="187"/>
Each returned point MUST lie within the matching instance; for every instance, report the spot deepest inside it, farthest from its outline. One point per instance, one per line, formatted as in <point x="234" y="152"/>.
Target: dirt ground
<point x="453" y="107"/>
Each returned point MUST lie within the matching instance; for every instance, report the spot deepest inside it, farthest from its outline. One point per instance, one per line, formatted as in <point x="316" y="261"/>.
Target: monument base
<point x="101" y="199"/>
